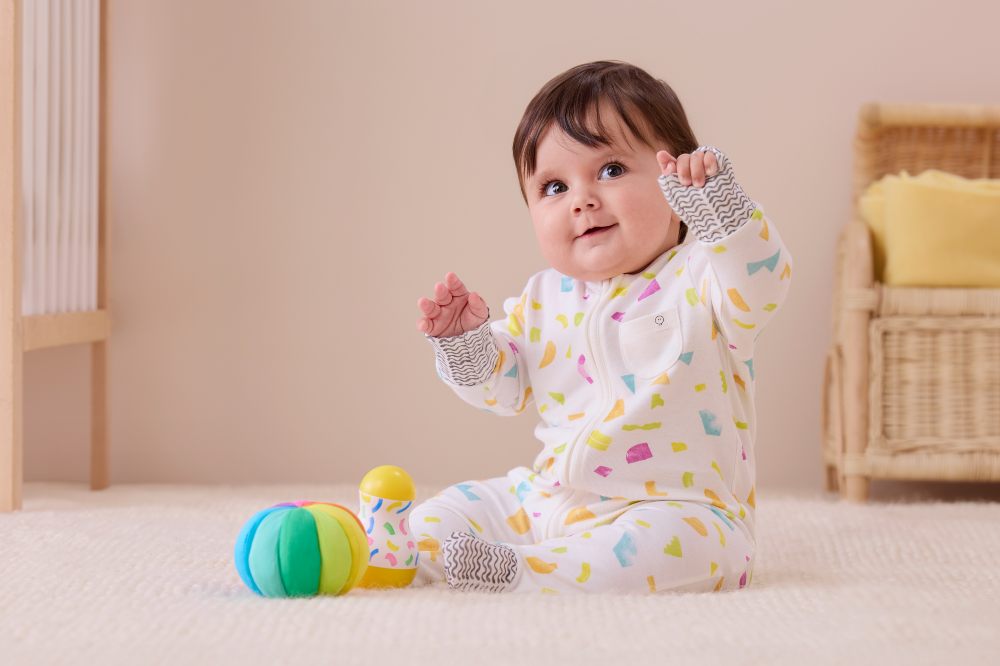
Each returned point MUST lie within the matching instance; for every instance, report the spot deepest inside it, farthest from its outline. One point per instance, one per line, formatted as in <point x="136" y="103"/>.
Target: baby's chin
<point x="599" y="274"/>
<point x="596" y="276"/>
<point x="587" y="271"/>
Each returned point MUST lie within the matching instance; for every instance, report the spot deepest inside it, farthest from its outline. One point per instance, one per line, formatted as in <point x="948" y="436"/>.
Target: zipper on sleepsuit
<point x="601" y="377"/>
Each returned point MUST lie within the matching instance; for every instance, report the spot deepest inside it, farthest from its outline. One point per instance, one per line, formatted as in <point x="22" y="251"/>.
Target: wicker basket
<point x="912" y="383"/>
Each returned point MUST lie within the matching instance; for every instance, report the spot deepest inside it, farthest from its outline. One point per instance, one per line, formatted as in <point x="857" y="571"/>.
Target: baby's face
<point x="575" y="188"/>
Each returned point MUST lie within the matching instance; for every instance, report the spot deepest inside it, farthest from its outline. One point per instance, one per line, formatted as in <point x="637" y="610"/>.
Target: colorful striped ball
<point x="297" y="549"/>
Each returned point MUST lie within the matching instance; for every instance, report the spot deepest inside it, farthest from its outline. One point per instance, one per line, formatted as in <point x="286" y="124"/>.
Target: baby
<point x="636" y="347"/>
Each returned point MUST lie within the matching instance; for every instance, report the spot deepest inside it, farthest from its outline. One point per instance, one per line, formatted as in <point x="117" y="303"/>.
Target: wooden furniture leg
<point x="11" y="377"/>
<point x="858" y="297"/>
<point x="832" y="478"/>
<point x="99" y="478"/>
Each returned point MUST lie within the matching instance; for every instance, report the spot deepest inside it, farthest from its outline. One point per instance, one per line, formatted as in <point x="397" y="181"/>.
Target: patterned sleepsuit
<point x="644" y="384"/>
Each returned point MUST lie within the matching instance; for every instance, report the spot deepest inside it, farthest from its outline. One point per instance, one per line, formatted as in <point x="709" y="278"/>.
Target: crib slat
<point x="66" y="141"/>
<point x="42" y="155"/>
<point x="55" y="104"/>
<point x="79" y="267"/>
<point x="95" y="156"/>
<point x="74" y="164"/>
<point x="27" y="152"/>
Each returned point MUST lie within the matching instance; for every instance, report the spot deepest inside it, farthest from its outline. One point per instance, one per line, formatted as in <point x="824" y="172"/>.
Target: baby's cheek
<point x="557" y="250"/>
<point x="654" y="206"/>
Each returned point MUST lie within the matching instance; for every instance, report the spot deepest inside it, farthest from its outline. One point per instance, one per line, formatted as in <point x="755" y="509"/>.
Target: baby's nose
<point x="585" y="203"/>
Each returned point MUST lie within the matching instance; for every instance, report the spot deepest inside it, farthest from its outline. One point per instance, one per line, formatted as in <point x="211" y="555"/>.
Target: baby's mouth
<point x="596" y="231"/>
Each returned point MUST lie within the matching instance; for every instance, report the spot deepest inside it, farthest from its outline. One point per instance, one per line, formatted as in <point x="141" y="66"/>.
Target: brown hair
<point x="569" y="98"/>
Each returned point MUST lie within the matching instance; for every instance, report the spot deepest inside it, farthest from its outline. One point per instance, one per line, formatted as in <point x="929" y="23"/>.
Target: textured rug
<point x="144" y="574"/>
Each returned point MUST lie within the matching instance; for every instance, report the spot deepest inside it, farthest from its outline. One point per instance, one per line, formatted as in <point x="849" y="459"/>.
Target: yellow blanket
<point x="935" y="229"/>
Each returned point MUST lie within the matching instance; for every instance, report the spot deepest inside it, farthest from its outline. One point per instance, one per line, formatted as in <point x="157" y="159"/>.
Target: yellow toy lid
<point x="390" y="482"/>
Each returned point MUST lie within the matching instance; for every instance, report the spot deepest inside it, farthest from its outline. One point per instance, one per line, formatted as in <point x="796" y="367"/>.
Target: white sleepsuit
<point x="644" y="385"/>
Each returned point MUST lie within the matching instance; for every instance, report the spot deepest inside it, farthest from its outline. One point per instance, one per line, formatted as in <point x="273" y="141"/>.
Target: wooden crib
<point x="53" y="212"/>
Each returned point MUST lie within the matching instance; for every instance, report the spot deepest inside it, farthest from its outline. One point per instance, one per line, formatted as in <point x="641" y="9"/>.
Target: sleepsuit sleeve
<point x="739" y="266"/>
<point x="484" y="367"/>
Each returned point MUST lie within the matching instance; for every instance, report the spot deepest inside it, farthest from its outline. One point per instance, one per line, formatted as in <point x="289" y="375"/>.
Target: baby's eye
<point x="547" y="188"/>
<point x="613" y="170"/>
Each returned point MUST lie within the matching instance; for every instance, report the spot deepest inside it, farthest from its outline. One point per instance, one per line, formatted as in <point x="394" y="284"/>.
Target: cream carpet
<point x="144" y="575"/>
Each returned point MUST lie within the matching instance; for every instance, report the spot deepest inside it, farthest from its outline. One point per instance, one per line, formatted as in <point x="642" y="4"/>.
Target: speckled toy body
<point x="385" y="499"/>
<point x="297" y="549"/>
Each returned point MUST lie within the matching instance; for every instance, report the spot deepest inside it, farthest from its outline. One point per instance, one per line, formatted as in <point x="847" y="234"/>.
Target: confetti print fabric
<point x="643" y="383"/>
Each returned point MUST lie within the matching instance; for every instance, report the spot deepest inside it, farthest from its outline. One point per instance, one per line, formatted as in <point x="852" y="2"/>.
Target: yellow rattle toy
<point x="386" y="496"/>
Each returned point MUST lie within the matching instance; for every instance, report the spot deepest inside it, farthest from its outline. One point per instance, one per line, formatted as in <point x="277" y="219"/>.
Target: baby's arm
<point x="480" y="362"/>
<point x="740" y="266"/>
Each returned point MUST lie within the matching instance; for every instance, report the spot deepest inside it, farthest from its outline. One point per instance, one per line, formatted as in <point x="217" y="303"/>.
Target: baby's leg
<point x="476" y="507"/>
<point x="653" y="547"/>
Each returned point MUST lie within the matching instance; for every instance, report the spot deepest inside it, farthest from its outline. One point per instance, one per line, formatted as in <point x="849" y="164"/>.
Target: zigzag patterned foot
<point x="476" y="565"/>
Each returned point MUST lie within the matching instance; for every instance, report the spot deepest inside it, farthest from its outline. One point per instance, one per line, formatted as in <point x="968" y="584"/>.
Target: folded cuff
<point x="714" y="211"/>
<point x="467" y="359"/>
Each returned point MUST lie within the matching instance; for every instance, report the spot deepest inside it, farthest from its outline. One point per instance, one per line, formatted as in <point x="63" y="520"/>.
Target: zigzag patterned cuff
<point x="467" y="359"/>
<point x="714" y="211"/>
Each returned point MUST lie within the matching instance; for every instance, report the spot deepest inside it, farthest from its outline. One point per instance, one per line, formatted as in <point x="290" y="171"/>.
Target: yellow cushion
<point x="872" y="208"/>
<point x="935" y="229"/>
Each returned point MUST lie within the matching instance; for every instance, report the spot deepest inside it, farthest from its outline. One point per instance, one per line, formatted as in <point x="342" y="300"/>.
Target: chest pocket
<point x="651" y="344"/>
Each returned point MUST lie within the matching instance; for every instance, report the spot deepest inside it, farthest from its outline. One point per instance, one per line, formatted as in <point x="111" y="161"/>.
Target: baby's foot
<point x="476" y="565"/>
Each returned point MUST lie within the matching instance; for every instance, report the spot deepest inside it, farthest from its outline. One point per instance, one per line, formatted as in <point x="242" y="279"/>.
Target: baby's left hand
<point x="691" y="168"/>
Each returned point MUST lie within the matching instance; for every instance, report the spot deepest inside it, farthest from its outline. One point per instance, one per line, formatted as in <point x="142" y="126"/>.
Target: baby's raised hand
<point x="717" y="205"/>
<point x="692" y="168"/>
<point x="453" y="310"/>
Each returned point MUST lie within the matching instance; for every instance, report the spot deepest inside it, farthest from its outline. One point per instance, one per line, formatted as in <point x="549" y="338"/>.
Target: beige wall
<point x="289" y="177"/>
